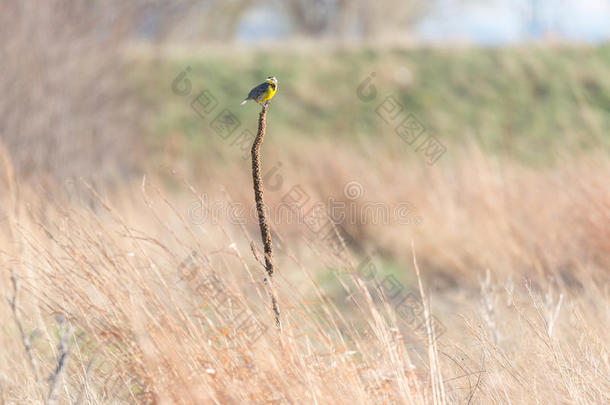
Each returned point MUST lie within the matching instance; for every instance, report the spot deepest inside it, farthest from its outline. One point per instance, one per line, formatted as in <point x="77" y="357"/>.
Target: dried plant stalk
<point x="260" y="208"/>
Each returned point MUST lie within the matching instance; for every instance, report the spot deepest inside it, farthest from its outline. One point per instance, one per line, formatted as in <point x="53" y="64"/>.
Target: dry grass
<point x="122" y="296"/>
<point x="152" y="302"/>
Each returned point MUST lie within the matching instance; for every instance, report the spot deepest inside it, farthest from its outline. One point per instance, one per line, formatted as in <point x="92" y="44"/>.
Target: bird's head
<point x="272" y="80"/>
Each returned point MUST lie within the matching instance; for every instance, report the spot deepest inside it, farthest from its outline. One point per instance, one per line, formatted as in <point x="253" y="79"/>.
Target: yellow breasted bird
<point x="263" y="92"/>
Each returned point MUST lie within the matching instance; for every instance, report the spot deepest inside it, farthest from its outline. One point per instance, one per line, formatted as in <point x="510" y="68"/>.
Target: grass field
<point x="521" y="102"/>
<point x="481" y="277"/>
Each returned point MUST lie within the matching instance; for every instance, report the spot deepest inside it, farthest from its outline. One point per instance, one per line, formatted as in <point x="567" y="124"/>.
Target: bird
<point x="263" y="92"/>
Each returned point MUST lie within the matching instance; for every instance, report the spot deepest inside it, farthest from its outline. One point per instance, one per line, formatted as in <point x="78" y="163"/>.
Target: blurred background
<point x="108" y="91"/>
<point x="82" y="77"/>
<point x="474" y="133"/>
<point x="456" y="109"/>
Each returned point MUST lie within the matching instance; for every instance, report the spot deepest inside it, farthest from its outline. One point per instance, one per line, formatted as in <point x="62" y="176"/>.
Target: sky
<point x="513" y="21"/>
<point x="485" y="22"/>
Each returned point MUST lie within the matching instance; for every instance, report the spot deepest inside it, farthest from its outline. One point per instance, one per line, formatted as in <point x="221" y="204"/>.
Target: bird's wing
<point x="258" y="90"/>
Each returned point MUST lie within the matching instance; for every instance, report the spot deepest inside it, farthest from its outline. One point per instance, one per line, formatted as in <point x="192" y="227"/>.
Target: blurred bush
<point x="66" y="106"/>
<point x="69" y="106"/>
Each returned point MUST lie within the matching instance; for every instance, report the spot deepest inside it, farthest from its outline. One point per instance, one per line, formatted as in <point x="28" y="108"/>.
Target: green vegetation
<point x="521" y="101"/>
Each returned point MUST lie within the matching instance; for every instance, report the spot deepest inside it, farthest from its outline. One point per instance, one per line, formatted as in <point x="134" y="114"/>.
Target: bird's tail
<point x="244" y="102"/>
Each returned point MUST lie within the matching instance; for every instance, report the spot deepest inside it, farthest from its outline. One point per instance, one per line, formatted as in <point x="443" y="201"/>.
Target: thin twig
<point x="85" y="385"/>
<point x="27" y="341"/>
<point x="436" y="377"/>
<point x="63" y="348"/>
